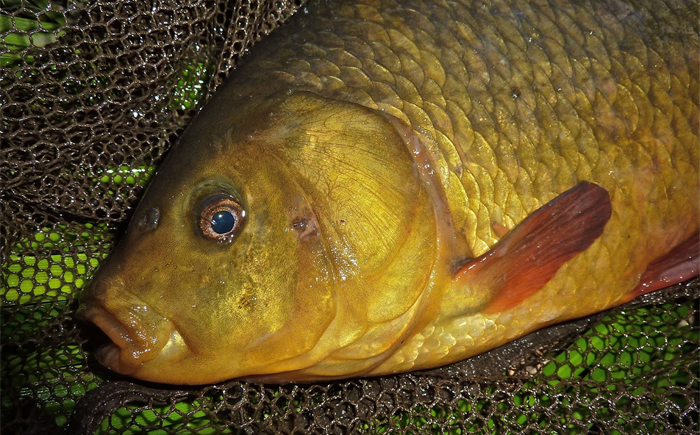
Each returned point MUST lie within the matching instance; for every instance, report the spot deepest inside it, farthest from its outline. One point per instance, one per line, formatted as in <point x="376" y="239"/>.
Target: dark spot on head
<point x="304" y="227"/>
<point x="244" y="302"/>
<point x="301" y="218"/>
<point x="515" y="93"/>
<point x="300" y="224"/>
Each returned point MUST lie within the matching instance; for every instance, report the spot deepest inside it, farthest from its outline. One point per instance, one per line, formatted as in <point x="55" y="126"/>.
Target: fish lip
<point x="109" y="354"/>
<point x="117" y="332"/>
<point x="127" y="349"/>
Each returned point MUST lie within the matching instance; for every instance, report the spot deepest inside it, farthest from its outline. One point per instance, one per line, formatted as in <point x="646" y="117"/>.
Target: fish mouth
<point x="133" y="338"/>
<point x="108" y="353"/>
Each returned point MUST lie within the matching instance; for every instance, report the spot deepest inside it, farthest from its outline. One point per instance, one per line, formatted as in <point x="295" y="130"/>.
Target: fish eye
<point x="220" y="218"/>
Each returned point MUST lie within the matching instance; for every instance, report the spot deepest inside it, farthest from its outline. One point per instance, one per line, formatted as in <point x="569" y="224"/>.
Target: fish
<point x="386" y="186"/>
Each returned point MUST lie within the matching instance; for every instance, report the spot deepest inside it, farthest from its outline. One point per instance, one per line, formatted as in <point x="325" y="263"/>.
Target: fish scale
<point x="547" y="108"/>
<point x="528" y="108"/>
<point x="505" y="107"/>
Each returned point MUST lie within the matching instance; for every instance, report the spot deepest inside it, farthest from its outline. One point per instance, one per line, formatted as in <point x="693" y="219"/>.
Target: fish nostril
<point x="149" y="221"/>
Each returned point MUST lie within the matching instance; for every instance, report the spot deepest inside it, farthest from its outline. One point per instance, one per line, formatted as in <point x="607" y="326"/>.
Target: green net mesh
<point x="91" y="96"/>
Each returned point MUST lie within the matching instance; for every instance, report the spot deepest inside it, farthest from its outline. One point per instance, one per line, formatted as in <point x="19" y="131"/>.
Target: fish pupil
<point x="223" y="222"/>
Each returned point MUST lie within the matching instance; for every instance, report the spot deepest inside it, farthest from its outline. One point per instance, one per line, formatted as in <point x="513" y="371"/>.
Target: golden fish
<point x="387" y="186"/>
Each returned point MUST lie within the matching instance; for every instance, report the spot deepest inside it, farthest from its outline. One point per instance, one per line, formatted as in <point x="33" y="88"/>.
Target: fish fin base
<point x="679" y="264"/>
<point x="531" y="254"/>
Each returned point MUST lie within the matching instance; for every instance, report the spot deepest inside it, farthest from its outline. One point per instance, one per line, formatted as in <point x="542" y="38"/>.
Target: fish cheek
<point x="244" y="291"/>
<point x="288" y="271"/>
<point x="237" y="294"/>
<point x="293" y="346"/>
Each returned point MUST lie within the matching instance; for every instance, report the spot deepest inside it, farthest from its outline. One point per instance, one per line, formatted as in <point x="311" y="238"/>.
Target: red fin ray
<point x="679" y="264"/>
<point x="529" y="255"/>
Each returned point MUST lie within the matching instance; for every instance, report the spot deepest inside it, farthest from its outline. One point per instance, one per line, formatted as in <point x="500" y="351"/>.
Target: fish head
<point x="262" y="244"/>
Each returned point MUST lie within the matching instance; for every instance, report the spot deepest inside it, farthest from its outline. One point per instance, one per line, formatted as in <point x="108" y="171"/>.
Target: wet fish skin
<point x="479" y="114"/>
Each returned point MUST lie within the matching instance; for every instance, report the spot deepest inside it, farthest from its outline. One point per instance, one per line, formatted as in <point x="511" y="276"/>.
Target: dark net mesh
<point x="91" y="96"/>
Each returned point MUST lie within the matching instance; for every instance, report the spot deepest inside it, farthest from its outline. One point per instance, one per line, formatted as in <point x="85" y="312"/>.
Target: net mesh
<point x="91" y="96"/>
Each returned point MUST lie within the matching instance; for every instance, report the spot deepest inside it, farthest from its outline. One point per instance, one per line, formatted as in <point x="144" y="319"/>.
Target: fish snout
<point x="136" y="332"/>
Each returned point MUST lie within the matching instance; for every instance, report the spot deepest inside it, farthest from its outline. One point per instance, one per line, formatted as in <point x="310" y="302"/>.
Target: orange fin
<point x="678" y="265"/>
<point x="529" y="255"/>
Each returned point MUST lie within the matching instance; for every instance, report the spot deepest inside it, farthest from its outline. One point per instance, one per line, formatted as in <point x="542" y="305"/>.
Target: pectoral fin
<point x="678" y="265"/>
<point x="529" y="256"/>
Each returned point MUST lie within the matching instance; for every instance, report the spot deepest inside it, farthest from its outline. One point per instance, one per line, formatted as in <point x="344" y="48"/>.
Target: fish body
<point x="387" y="186"/>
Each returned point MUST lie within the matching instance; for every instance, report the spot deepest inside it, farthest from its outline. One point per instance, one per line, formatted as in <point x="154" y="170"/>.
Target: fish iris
<point x="223" y="222"/>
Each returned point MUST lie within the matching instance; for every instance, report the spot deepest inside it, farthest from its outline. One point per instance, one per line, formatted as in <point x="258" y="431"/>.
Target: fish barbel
<point x="386" y="186"/>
